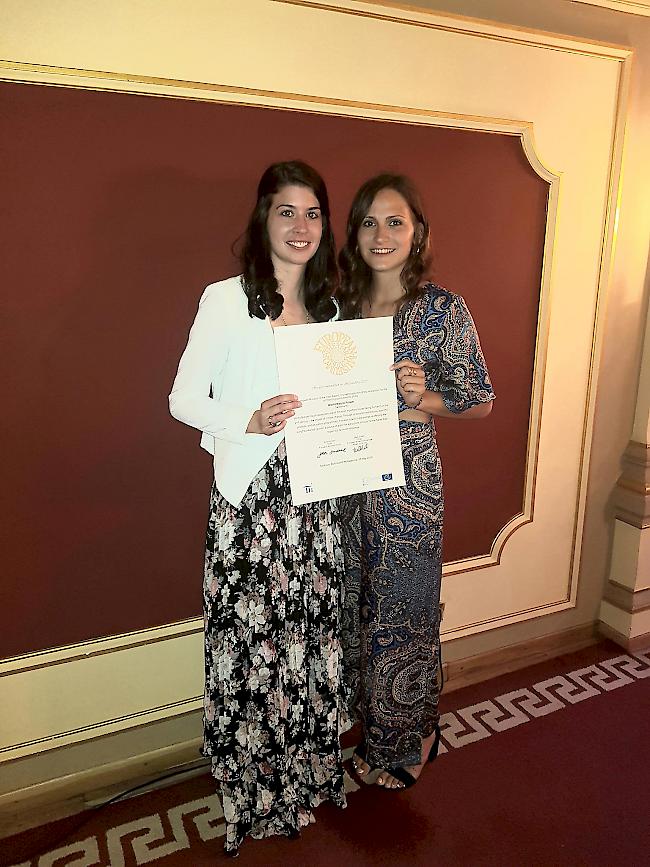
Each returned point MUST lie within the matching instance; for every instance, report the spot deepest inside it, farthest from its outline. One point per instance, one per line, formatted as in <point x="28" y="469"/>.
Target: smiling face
<point x="388" y="233"/>
<point x="294" y="226"/>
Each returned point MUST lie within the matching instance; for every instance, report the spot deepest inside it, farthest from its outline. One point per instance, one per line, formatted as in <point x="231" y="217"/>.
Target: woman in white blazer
<point x="275" y="700"/>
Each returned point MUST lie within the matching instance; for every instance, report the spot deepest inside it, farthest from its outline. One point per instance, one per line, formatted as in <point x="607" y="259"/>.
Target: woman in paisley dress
<point x="274" y="696"/>
<point x="395" y="550"/>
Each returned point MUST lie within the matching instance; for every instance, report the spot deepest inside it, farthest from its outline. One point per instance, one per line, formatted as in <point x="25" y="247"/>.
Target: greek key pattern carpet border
<point x="150" y="838"/>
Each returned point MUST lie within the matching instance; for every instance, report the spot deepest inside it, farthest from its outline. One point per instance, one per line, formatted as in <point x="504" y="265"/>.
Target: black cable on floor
<point x="89" y="814"/>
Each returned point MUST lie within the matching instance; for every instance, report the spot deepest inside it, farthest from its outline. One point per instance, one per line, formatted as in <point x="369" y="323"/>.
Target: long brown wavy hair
<point x="320" y="280"/>
<point x="356" y="276"/>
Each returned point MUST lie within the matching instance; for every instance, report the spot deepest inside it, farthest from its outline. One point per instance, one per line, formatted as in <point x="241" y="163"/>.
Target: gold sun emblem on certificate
<point x="339" y="352"/>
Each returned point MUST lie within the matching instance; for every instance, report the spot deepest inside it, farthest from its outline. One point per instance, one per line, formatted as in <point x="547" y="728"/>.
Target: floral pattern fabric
<point x="275" y="700"/>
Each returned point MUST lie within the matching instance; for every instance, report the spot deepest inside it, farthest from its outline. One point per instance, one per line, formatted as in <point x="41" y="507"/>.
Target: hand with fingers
<point x="410" y="382"/>
<point x="273" y="414"/>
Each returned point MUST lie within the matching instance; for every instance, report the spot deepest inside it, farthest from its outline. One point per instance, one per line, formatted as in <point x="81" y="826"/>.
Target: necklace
<point x="284" y="321"/>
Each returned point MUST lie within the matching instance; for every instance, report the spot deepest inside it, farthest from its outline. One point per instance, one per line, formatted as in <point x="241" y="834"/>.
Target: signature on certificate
<point x="339" y="450"/>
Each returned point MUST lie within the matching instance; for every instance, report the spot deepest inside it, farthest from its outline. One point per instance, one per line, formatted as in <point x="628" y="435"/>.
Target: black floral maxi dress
<point x="274" y="695"/>
<point x="394" y="544"/>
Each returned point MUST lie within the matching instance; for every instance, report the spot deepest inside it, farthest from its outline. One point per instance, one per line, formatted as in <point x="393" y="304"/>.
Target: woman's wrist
<point x="420" y="399"/>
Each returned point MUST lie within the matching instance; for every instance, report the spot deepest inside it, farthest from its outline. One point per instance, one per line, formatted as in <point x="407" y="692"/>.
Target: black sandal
<point x="403" y="775"/>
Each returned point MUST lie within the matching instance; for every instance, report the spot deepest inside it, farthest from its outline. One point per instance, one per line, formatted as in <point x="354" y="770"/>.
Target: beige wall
<point x="622" y="398"/>
<point x="106" y="37"/>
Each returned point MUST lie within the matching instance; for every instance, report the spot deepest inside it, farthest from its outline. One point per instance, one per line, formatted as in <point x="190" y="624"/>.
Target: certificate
<point x="344" y="439"/>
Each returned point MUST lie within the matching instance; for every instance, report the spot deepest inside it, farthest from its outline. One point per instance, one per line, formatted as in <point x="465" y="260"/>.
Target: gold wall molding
<point x="571" y="92"/>
<point x="632" y="7"/>
<point x="97" y="80"/>
<point x="483" y="28"/>
<point x="147" y="85"/>
<point x="100" y="687"/>
<point x="525" y="613"/>
<point x="101" y="728"/>
<point x="93" y="647"/>
<point x="539" y="368"/>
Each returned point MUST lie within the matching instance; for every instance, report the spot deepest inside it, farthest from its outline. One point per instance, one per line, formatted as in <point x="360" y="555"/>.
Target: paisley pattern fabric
<point x="393" y="543"/>
<point x="275" y="699"/>
<point x="438" y="332"/>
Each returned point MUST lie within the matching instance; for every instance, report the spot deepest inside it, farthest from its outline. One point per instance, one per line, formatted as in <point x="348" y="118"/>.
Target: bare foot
<point x="363" y="770"/>
<point x="388" y="781"/>
<point x="360" y="766"/>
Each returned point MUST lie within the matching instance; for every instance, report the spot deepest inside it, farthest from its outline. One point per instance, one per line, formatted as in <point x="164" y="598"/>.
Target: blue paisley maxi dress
<point x="394" y="544"/>
<point x="275" y="702"/>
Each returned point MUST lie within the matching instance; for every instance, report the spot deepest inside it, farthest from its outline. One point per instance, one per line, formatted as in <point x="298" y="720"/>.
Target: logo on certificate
<point x="387" y="477"/>
<point x="339" y="352"/>
<point x="309" y="489"/>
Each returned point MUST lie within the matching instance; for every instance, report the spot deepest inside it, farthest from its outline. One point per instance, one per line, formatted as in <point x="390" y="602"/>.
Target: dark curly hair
<point x="356" y="276"/>
<point x="320" y="281"/>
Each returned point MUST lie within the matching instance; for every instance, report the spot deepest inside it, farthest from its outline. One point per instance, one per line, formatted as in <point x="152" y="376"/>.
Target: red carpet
<point x="545" y="766"/>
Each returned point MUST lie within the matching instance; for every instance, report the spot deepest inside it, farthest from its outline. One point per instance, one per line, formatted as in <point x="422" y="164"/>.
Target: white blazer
<point x="227" y="369"/>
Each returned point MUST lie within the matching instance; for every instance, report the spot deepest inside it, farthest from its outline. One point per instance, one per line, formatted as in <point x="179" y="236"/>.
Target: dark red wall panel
<point x="116" y="211"/>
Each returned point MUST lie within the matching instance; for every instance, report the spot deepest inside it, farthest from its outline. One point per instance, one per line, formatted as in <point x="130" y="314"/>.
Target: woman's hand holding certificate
<point x="344" y="439"/>
<point x="273" y="414"/>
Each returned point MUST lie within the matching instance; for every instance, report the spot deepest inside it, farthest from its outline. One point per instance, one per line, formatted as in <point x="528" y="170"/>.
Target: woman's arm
<point x="204" y="361"/>
<point x="459" y="383"/>
<point x="411" y="385"/>
<point x="456" y="382"/>
<point x="433" y="403"/>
